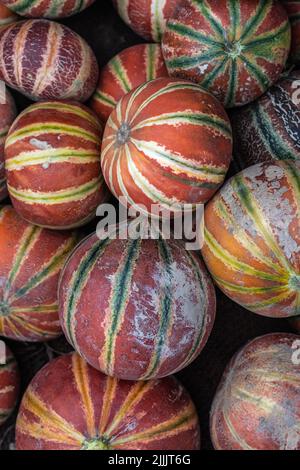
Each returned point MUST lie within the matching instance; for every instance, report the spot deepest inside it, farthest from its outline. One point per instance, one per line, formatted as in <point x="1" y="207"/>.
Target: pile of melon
<point x="179" y="106"/>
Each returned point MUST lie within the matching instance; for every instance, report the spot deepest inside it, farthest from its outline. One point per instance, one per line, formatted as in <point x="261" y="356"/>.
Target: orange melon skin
<point x="236" y="50"/>
<point x="71" y="406"/>
<point x="124" y="72"/>
<point x="257" y="404"/>
<point x="31" y="259"/>
<point x="252" y="237"/>
<point x="66" y="71"/>
<point x="167" y="143"/>
<point x="52" y="161"/>
<point x="136" y="309"/>
<point x="6" y="16"/>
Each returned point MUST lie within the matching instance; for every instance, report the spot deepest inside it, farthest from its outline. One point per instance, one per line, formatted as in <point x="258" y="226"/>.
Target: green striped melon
<point x="236" y="49"/>
<point x="136" y="309"/>
<point x="252" y="238"/>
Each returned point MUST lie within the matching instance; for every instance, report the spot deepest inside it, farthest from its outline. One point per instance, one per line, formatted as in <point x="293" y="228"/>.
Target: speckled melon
<point x="52" y="162"/>
<point x="269" y="128"/>
<point x="46" y="60"/>
<point x="147" y="18"/>
<point x="257" y="405"/>
<point x="252" y="238"/>
<point x="124" y="72"/>
<point x="136" y="309"/>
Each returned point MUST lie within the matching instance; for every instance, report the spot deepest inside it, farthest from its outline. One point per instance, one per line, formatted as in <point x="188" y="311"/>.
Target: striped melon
<point x="252" y="238"/>
<point x="8" y="113"/>
<point x="257" y="405"/>
<point x="31" y="259"/>
<point x="136" y="309"/>
<point x="293" y="10"/>
<point x="269" y="128"/>
<point x="45" y="60"/>
<point x="9" y="382"/>
<point x="124" y="72"/>
<point x="147" y="18"/>
<point x="52" y="161"/>
<point x="71" y="406"/>
<point x="47" y="8"/>
<point x="168" y="143"/>
<point x="236" y="49"/>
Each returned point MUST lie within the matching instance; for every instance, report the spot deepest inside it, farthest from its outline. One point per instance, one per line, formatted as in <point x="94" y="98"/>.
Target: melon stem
<point x="233" y="49"/>
<point x="96" y="444"/>
<point x="4" y="309"/>
<point x="123" y="134"/>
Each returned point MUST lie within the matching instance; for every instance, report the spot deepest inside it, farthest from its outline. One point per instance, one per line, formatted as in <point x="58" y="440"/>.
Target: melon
<point x="45" y="60"/>
<point x="257" y="404"/>
<point x="8" y="114"/>
<point x="136" y="309"/>
<point x="124" y="72"/>
<point x="167" y="144"/>
<point x="9" y="382"/>
<point x="31" y="259"/>
<point x="235" y="49"/>
<point x="252" y="238"/>
<point x="269" y="128"/>
<point x="47" y="8"/>
<point x="147" y="18"/>
<point x="71" y="406"/>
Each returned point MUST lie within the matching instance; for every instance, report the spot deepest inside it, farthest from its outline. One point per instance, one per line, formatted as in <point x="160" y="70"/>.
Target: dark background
<point x="101" y="26"/>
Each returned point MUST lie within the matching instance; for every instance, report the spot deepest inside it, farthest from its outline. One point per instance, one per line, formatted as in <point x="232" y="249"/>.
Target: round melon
<point x="52" y="162"/>
<point x="147" y="18"/>
<point x="45" y="60"/>
<point x="71" y="406"/>
<point x="235" y="49"/>
<point x="124" y="72"/>
<point x="252" y="239"/>
<point x="269" y="128"/>
<point x="47" y="8"/>
<point x="257" y="405"/>
<point x="31" y="259"/>
<point x="8" y="113"/>
<point x="167" y="144"/>
<point x="136" y="309"/>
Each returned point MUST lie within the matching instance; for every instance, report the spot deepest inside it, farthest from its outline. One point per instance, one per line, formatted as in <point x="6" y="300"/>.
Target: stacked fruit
<point x="155" y="135"/>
